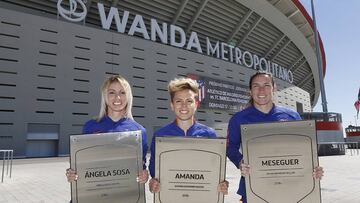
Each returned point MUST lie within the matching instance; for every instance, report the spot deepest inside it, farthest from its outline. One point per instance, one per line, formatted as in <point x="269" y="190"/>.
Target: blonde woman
<point x="115" y="116"/>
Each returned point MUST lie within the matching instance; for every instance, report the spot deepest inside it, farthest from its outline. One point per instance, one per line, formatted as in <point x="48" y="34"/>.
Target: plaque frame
<point x="189" y="169"/>
<point x="282" y="156"/>
<point x="107" y="165"/>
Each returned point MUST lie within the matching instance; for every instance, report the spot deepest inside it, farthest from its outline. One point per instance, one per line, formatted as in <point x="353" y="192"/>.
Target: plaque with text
<point x="282" y="157"/>
<point x="107" y="165"/>
<point x="189" y="169"/>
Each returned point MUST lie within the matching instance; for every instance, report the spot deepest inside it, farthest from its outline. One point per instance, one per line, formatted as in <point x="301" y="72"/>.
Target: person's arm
<point x="152" y="157"/>
<point x="144" y="146"/>
<point x="87" y="127"/>
<point x="233" y="142"/>
<point x="154" y="184"/>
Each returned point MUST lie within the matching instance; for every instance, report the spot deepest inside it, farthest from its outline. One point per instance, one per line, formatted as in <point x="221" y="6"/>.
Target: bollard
<point x="8" y="158"/>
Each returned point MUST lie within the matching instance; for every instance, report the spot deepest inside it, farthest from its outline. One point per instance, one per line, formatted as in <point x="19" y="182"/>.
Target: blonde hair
<point x="179" y="84"/>
<point x="128" y="94"/>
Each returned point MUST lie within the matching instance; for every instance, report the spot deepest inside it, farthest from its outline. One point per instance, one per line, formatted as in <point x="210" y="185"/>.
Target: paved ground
<point x="43" y="180"/>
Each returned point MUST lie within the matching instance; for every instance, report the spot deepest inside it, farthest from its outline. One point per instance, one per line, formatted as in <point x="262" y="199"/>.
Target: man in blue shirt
<point x="260" y="109"/>
<point x="183" y="93"/>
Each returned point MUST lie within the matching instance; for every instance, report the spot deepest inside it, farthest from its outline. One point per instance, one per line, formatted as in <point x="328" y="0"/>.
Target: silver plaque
<point x="107" y="165"/>
<point x="282" y="157"/>
<point x="189" y="169"/>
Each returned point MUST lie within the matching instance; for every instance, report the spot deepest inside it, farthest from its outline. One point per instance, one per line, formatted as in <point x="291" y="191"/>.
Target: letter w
<point x="106" y="21"/>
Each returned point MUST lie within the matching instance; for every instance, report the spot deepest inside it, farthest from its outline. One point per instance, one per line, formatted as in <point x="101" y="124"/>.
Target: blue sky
<point x="338" y="22"/>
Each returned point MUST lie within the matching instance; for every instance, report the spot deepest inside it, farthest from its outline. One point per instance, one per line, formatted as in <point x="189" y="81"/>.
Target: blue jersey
<point x="106" y="124"/>
<point x="172" y="129"/>
<point x="248" y="116"/>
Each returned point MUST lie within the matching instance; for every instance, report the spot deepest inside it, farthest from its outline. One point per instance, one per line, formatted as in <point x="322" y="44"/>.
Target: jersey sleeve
<point x="297" y="116"/>
<point x="87" y="128"/>
<point x="144" y="146"/>
<point x="152" y="157"/>
<point x="233" y="142"/>
<point x="212" y="133"/>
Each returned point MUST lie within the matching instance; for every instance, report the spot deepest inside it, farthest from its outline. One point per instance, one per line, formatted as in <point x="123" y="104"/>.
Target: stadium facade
<point x="54" y="56"/>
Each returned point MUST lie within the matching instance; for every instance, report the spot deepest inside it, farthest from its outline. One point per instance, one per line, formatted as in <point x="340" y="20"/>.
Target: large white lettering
<point x="156" y="31"/>
<point x="177" y="38"/>
<point x="113" y="13"/>
<point x="211" y="50"/>
<point x="138" y="25"/>
<point x="194" y="42"/>
<point x="176" y="29"/>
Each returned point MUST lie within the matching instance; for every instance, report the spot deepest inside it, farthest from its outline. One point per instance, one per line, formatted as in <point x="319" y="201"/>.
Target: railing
<point x="8" y="155"/>
<point x="353" y="147"/>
